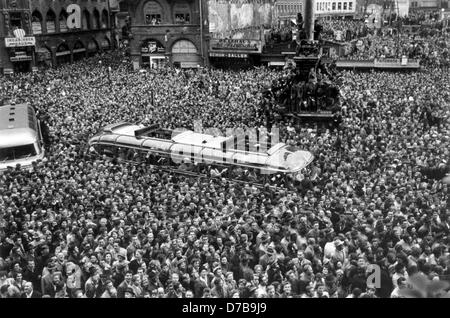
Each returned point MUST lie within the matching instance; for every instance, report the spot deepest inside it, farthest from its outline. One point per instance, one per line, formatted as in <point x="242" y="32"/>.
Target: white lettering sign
<point x="16" y="42"/>
<point x="74" y="19"/>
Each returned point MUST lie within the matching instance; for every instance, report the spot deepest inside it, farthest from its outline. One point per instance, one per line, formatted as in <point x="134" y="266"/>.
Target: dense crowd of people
<point x="430" y="50"/>
<point x="79" y="225"/>
<point x="344" y="30"/>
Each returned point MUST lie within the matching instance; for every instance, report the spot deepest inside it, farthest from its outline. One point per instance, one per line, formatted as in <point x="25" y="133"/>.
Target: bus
<point x="21" y="140"/>
<point x="185" y="151"/>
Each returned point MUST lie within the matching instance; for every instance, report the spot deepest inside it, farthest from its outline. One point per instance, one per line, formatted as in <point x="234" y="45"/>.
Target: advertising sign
<point x="233" y="55"/>
<point x="18" y="42"/>
<point x="236" y="45"/>
<point x="20" y="58"/>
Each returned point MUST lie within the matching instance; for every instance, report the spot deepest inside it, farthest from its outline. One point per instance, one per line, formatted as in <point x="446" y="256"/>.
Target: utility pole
<point x="111" y="25"/>
<point x="200" y="4"/>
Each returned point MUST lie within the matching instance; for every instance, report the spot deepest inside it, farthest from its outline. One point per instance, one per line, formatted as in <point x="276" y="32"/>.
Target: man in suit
<point x="200" y="283"/>
<point x="31" y="274"/>
<point x="29" y="292"/>
<point x="125" y="285"/>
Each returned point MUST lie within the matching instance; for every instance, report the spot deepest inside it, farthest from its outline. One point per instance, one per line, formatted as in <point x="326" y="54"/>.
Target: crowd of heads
<point x="80" y="225"/>
<point x="430" y="49"/>
<point x="348" y="30"/>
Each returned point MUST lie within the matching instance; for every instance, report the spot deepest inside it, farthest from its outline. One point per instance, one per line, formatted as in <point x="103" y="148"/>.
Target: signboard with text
<point x="230" y="55"/>
<point x="20" y="58"/>
<point x="236" y="45"/>
<point x="18" y="42"/>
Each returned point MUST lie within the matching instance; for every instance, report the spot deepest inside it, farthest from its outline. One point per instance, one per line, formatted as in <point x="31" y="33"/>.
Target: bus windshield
<point x="17" y="152"/>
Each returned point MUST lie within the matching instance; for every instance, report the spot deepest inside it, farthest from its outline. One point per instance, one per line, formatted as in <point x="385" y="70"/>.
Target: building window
<point x="96" y="21"/>
<point x="333" y="6"/>
<point x="339" y="6"/>
<point x="152" y="13"/>
<point x="63" y="21"/>
<point x="104" y="19"/>
<point x="182" y="13"/>
<point x="345" y="5"/>
<point x="184" y="47"/>
<point x="350" y="6"/>
<point x="15" y="20"/>
<point x="51" y="22"/>
<point x="36" y="22"/>
<point x="86" y="20"/>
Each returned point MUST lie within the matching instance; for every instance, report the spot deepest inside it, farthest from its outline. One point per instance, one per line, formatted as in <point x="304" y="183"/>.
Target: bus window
<point x="17" y="152"/>
<point x="105" y="150"/>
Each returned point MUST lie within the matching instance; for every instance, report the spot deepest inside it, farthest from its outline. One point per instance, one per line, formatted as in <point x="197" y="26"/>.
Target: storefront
<point x="21" y="53"/>
<point x="79" y="51"/>
<point x="185" y="55"/>
<point x="62" y="54"/>
<point x="234" y="53"/>
<point x="153" y="54"/>
<point x="44" y="57"/>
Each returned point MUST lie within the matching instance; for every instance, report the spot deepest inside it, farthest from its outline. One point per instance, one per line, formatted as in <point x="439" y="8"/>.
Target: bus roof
<point x="17" y="116"/>
<point x="198" y="139"/>
<point x="18" y="125"/>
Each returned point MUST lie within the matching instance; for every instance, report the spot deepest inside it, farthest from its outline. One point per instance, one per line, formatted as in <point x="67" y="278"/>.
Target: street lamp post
<point x="111" y="25"/>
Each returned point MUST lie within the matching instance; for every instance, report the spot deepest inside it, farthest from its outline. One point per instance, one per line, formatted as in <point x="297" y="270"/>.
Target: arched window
<point x="36" y="22"/>
<point x="182" y="13"/>
<point x="153" y="13"/>
<point x="96" y="24"/>
<point x="51" y="22"/>
<point x="63" y="21"/>
<point x="86" y="20"/>
<point x="184" y="46"/>
<point x="104" y="19"/>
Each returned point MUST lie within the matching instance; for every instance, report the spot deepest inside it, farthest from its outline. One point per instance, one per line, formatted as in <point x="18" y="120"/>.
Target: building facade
<point x="285" y="11"/>
<point x="335" y="8"/>
<point x="52" y="41"/>
<point x="168" y="31"/>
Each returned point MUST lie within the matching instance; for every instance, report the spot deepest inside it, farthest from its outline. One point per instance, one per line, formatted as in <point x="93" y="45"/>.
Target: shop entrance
<point x="63" y="54"/>
<point x="22" y="66"/>
<point x="185" y="54"/>
<point x="153" y="54"/>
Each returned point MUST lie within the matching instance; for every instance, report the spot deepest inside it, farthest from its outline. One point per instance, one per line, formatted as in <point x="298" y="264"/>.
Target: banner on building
<point x="16" y="42"/>
<point x="236" y="45"/>
<point x="229" y="55"/>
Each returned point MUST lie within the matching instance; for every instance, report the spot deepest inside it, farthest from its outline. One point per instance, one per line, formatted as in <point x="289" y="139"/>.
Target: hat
<point x="129" y="290"/>
<point x="123" y="254"/>
<point x="338" y="242"/>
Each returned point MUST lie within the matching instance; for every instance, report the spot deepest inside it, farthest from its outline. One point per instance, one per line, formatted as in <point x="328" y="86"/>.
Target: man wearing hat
<point x="129" y="293"/>
<point x="340" y="254"/>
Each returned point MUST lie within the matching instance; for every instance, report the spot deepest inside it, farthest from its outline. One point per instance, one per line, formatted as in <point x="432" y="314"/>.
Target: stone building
<point x="168" y="31"/>
<point x="51" y="40"/>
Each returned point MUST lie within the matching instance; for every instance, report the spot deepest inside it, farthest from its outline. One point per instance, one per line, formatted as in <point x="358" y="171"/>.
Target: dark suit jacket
<point x="35" y="294"/>
<point x="199" y="285"/>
